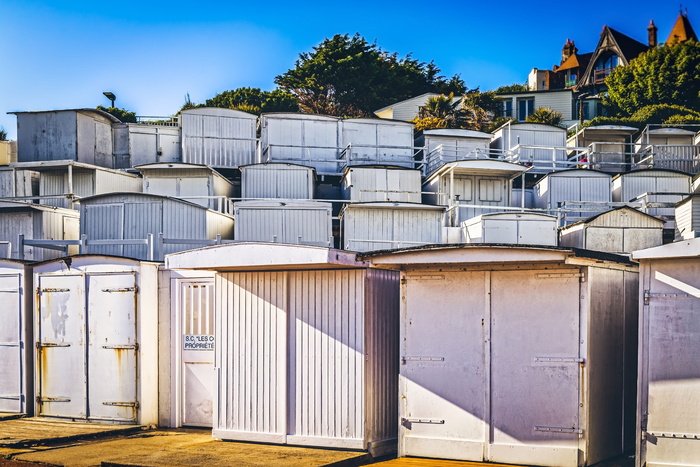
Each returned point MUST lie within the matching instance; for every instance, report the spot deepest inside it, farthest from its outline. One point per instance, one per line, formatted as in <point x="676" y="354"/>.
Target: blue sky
<point x="151" y="53"/>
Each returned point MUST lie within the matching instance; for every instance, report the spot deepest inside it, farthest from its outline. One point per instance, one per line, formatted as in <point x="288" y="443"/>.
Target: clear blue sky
<point x="150" y="53"/>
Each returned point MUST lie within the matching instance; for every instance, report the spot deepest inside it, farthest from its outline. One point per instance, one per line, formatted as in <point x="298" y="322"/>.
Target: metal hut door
<point x="196" y="309"/>
<point x="11" y="371"/>
<point x="112" y="347"/>
<point x="61" y="346"/>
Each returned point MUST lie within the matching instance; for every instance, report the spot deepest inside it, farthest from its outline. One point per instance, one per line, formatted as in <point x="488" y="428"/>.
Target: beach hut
<point x="16" y="341"/>
<point x="517" y="228"/>
<point x="377" y="141"/>
<point x="139" y="144"/>
<point x="198" y="184"/>
<point x="541" y="146"/>
<point x="611" y="148"/>
<point x="472" y="187"/>
<point x="668" y="420"/>
<point x="80" y="135"/>
<point x="18" y="183"/>
<point x="127" y="219"/>
<point x="381" y="183"/>
<point x="668" y="148"/>
<point x="96" y="333"/>
<point x="515" y="354"/>
<point x="216" y="137"/>
<point x="687" y="217"/>
<point x="276" y="180"/>
<point x="284" y="221"/>
<point x="381" y="226"/>
<point x="621" y="230"/>
<point x="449" y="145"/>
<point x="582" y="193"/>
<point x="306" y="345"/>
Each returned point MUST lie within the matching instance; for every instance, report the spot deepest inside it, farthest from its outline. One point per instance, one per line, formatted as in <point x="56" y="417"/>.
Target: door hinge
<point x="121" y="289"/>
<point x="559" y="360"/>
<point x="40" y="345"/>
<point x="430" y="421"/>
<point x="41" y="400"/>
<point x="134" y="404"/>
<point x="646" y="297"/>
<point x="40" y="291"/>
<point x="405" y="359"/>
<point x="559" y="429"/>
<point x="119" y="347"/>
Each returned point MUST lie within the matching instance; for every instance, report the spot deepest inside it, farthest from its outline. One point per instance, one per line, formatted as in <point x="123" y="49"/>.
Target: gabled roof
<point x="576" y="61"/>
<point x="682" y="31"/>
<point x="591" y="219"/>
<point x="425" y="96"/>
<point x="620" y="44"/>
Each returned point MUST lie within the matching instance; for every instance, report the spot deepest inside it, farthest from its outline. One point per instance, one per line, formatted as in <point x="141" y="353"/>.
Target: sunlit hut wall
<point x="16" y="341"/>
<point x="668" y="422"/>
<point x="377" y="141"/>
<point x="517" y="228"/>
<point x="610" y="145"/>
<point x="35" y="222"/>
<point x="307" y="346"/>
<point x="381" y="183"/>
<point x="96" y="321"/>
<point x="540" y="140"/>
<point x="290" y="181"/>
<point x="139" y="144"/>
<point x="581" y="193"/>
<point x="515" y="354"/>
<point x="449" y="145"/>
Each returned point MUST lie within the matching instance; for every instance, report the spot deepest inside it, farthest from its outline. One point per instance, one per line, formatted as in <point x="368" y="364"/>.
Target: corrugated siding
<point x="17" y="183"/>
<point x="140" y="219"/>
<point x="634" y="184"/>
<point x="559" y="101"/>
<point x="277" y="181"/>
<point x="14" y="365"/>
<point x="380" y="184"/>
<point x="11" y="225"/>
<point x="557" y="189"/>
<point x="260" y="225"/>
<point x="219" y="224"/>
<point x="46" y="136"/>
<point x="102" y="222"/>
<point x="625" y="219"/>
<point x="378" y="141"/>
<point x="379" y="229"/>
<point x="108" y="182"/>
<point x="251" y="352"/>
<point x="382" y="349"/>
<point x="149" y="144"/>
<point x="182" y="220"/>
<point x="285" y="224"/>
<point x="326" y="349"/>
<point x="218" y="140"/>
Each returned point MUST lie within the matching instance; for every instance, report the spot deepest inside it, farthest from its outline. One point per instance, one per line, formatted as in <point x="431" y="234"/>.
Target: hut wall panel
<point x="108" y="182"/>
<point x="277" y="181"/>
<point x="218" y="138"/>
<point x="46" y="136"/>
<point x="634" y="184"/>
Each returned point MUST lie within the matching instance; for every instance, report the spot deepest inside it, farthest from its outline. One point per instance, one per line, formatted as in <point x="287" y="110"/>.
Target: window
<point x="604" y="66"/>
<point x="525" y="107"/>
<point x="507" y="108"/>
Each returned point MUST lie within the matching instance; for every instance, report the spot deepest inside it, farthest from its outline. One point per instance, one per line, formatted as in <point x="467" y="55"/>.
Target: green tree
<point x="481" y="109"/>
<point x="123" y="115"/>
<point x="3" y="134"/>
<point x="545" y="115"/>
<point x="253" y="100"/>
<point x="440" y="112"/>
<point x="511" y="88"/>
<point x="348" y="76"/>
<point x="668" y="74"/>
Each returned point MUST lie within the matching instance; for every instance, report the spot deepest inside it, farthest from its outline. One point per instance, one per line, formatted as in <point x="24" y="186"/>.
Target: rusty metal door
<point x="196" y="308"/>
<point x="12" y="365"/>
<point x="62" y="388"/>
<point x="535" y="368"/>
<point x="112" y="346"/>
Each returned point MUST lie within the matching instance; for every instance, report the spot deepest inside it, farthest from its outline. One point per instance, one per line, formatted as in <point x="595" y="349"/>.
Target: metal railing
<point x="172" y="120"/>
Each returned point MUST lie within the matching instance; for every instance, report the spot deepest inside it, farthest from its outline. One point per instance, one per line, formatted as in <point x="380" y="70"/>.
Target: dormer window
<point x="604" y="66"/>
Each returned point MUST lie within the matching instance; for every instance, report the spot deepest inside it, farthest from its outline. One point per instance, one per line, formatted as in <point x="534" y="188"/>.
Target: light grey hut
<point x="516" y="228"/>
<point x="306" y="346"/>
<point x="382" y="226"/>
<point x="81" y="135"/>
<point x="16" y="341"/>
<point x="652" y="186"/>
<point x="284" y="221"/>
<point x="277" y="180"/>
<point x="61" y="183"/>
<point x="514" y="354"/>
<point x="376" y="141"/>
<point x="96" y="332"/>
<point x="118" y="217"/>
<point x="668" y="419"/>
<point x="687" y="217"/>
<point x="381" y="183"/>
<point x="18" y="183"/>
<point x="611" y="148"/>
<point x="310" y="140"/>
<point x="35" y="222"/>
<point x="449" y="145"/>
<point x="473" y="187"/>
<point x="572" y="189"/>
<point x="668" y="148"/>
<point x="198" y="184"/>
<point x="621" y="230"/>
<point x="138" y="144"/>
<point x="221" y="138"/>
<point x="541" y="146"/>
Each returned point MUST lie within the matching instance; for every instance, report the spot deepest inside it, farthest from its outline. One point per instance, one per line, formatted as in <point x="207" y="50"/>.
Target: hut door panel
<point x="196" y="309"/>
<point x="673" y="368"/>
<point x="442" y="380"/>
<point x="61" y="346"/>
<point x="11" y="344"/>
<point x="112" y="346"/>
<point x="535" y="367"/>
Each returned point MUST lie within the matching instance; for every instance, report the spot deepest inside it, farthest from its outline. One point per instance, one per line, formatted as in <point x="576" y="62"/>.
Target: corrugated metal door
<point x="441" y="384"/>
<point x="104" y="222"/>
<point x="670" y="366"/>
<point x="61" y="346"/>
<point x="535" y="368"/>
<point x="196" y="308"/>
<point x="11" y="344"/>
<point x="112" y="346"/>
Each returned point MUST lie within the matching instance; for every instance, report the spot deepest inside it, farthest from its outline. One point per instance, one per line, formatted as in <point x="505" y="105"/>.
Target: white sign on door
<point x="197" y="342"/>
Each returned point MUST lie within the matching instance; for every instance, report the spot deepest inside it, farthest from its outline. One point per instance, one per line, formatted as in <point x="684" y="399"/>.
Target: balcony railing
<point x="600" y="75"/>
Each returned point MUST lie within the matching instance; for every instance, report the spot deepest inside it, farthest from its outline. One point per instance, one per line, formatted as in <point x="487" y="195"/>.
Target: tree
<point x="668" y="74"/>
<point x="253" y="100"/>
<point x="3" y="134"/>
<point x="123" y="115"/>
<point x="440" y="112"/>
<point x="545" y="115"/>
<point x="481" y="108"/>
<point x="347" y="76"/>
<point x="511" y="88"/>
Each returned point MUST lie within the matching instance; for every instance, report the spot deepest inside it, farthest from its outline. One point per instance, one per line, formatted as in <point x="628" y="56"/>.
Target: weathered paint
<point x="137" y="144"/>
<point x="289" y="181"/>
<point x="668" y="422"/>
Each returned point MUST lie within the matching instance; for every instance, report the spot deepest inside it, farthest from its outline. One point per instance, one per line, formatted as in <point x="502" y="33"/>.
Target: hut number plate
<point x="197" y="342"/>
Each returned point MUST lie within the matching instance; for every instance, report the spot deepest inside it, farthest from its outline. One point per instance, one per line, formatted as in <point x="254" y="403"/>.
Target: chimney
<point x="652" y="34"/>
<point x="568" y="50"/>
